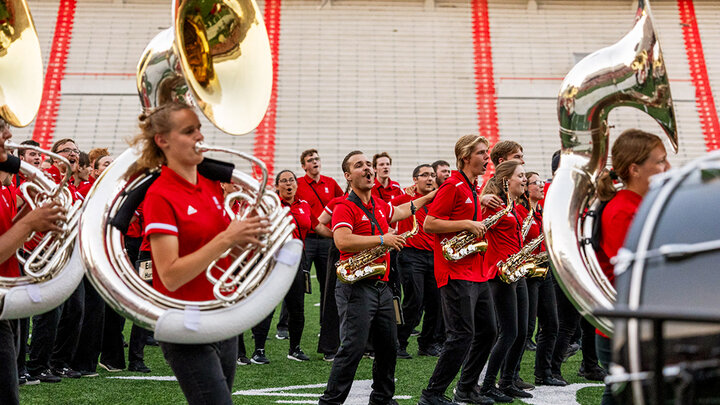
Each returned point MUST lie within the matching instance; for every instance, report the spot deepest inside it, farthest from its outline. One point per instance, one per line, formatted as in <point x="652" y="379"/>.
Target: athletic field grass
<point x="411" y="375"/>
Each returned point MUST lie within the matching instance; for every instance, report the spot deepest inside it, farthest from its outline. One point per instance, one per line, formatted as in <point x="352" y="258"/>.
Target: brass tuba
<point x="629" y="73"/>
<point x="217" y="56"/>
<point x="52" y="268"/>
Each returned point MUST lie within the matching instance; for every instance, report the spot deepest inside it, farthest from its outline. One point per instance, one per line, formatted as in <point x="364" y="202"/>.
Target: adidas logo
<point x="191" y="210"/>
<point x="468" y="201"/>
<point x="364" y="218"/>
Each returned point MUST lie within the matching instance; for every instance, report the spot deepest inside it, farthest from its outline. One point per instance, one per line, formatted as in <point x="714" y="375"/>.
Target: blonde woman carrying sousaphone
<point x="220" y="264"/>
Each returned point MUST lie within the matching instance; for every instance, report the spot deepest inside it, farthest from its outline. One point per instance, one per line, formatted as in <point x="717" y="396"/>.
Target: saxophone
<point x="517" y="265"/>
<point x="465" y="243"/>
<point x="362" y="265"/>
<point x="526" y="224"/>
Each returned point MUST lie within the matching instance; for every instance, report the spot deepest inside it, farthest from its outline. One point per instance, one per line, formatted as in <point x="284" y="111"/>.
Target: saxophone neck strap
<point x="474" y="193"/>
<point x="373" y="221"/>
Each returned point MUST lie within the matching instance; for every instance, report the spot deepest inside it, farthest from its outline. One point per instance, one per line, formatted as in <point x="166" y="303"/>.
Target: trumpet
<point x="465" y="243"/>
<point x="362" y="265"/>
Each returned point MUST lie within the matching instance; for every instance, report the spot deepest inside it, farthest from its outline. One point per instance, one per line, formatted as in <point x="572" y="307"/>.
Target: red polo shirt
<point x="422" y="240"/>
<point x="333" y="203"/>
<point x="616" y="218"/>
<point x="9" y="268"/>
<point x="454" y="201"/>
<point x="192" y="212"/>
<point x="317" y="193"/>
<point x="503" y="237"/>
<point x="302" y="217"/>
<point x="82" y="190"/>
<point x="389" y="193"/>
<point x="348" y="214"/>
<point x="57" y="177"/>
<point x="535" y="227"/>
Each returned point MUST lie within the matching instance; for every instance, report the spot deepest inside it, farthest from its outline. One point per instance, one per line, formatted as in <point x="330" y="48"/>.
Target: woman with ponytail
<point x="636" y="156"/>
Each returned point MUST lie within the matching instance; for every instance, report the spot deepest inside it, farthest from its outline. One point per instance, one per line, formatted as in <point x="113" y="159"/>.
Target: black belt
<point x="373" y="282"/>
<point x="314" y="236"/>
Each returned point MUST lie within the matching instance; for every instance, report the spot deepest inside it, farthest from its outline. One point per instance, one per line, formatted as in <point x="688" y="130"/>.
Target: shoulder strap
<point x="474" y="194"/>
<point x="314" y="191"/>
<point x="373" y="221"/>
<point x="597" y="225"/>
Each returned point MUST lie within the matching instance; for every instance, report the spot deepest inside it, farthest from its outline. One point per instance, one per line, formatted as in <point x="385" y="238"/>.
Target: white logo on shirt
<point x="327" y="191"/>
<point x="301" y="211"/>
<point x="191" y="210"/>
<point x="364" y="218"/>
<point x="468" y="201"/>
<point x="510" y="214"/>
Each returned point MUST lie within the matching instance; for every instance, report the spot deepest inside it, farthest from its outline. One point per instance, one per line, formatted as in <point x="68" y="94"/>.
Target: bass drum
<point x="669" y="265"/>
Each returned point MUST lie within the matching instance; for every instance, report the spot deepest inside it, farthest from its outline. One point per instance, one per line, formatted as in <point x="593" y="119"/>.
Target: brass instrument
<point x="216" y="56"/>
<point x="629" y="73"/>
<point x="51" y="269"/>
<point x="466" y="243"/>
<point x="362" y="265"/>
<point x="527" y="222"/>
<point x="513" y="268"/>
<point x="537" y="265"/>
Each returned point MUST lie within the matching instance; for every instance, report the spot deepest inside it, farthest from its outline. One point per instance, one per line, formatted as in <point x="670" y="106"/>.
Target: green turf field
<point x="412" y="375"/>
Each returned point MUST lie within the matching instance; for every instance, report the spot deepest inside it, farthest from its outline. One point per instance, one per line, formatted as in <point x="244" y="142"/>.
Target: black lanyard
<point x="474" y="193"/>
<point x="316" y="193"/>
<point x="373" y="221"/>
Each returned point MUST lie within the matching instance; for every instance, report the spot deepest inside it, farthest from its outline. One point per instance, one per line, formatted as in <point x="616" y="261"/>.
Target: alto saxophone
<point x="362" y="265"/>
<point x="527" y="223"/>
<point x="516" y="266"/>
<point x="465" y="243"/>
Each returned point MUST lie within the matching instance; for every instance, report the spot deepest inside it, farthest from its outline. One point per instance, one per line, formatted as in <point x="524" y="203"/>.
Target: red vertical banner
<point x="704" y="100"/>
<point x="484" y="76"/>
<point x="264" y="147"/>
<point x="47" y="114"/>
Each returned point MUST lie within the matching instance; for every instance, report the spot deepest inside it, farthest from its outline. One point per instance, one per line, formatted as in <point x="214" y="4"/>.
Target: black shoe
<point x="27" y="379"/>
<point x="403" y="354"/>
<point x="515" y="392"/>
<point x="66" y="372"/>
<point x="495" y="394"/>
<point x="431" y="351"/>
<point x="329" y="357"/>
<point x="47" y="377"/>
<point x="472" y="397"/>
<point x="243" y="360"/>
<point x="298" y="355"/>
<point x="572" y="349"/>
<point x="560" y="377"/>
<point x="551" y="381"/>
<point x="523" y="385"/>
<point x="530" y="345"/>
<point x="436" y="400"/>
<point x="259" y="357"/>
<point x="139" y="367"/>
<point x="110" y="368"/>
<point x="88" y="373"/>
<point x="415" y="332"/>
<point x="369" y="355"/>
<point x="150" y="341"/>
<point x="390" y="402"/>
<point x="282" y="334"/>
<point x="595" y="373"/>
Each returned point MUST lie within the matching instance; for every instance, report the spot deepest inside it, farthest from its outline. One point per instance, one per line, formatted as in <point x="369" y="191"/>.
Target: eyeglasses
<point x="538" y="183"/>
<point x="426" y="175"/>
<point x="291" y="180"/>
<point x="69" y="151"/>
<point x="312" y="160"/>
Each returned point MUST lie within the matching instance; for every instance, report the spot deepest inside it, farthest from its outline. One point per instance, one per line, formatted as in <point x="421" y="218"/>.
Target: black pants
<point x="569" y="319"/>
<point x="419" y="290"/>
<point x="9" y="393"/>
<point x="205" y="372"/>
<point x="113" y="353"/>
<point x="467" y="307"/>
<point x="329" y="340"/>
<point x="56" y="333"/>
<point x="21" y="342"/>
<point x="316" y="252"/>
<point x="295" y="303"/>
<point x="90" y="341"/>
<point x="542" y="291"/>
<point x="511" y="311"/>
<point x="136" y="347"/>
<point x="603" y="346"/>
<point x="362" y="306"/>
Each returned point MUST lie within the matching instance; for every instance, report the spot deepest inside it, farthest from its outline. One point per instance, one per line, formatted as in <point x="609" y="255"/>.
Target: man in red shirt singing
<point x="385" y="188"/>
<point x="360" y="223"/>
<point x="466" y="301"/>
<point x="418" y="278"/>
<point x="317" y="190"/>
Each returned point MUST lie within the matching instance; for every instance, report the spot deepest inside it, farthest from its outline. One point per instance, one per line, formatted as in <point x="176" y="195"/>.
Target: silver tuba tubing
<point x="255" y="293"/>
<point x="629" y="73"/>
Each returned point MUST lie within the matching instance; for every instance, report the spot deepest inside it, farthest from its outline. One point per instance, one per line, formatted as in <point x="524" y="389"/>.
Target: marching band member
<point x="12" y="237"/>
<point x="466" y="301"/>
<point x="317" y="190"/>
<point x="415" y="263"/>
<point x="361" y="222"/>
<point x="511" y="301"/>
<point x="636" y="156"/>
<point x="188" y="229"/>
<point x="442" y="171"/>
<point x="541" y="292"/>
<point x="384" y="187"/>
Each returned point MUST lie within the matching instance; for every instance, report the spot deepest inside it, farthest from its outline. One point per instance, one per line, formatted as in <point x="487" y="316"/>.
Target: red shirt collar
<point x="170" y="175"/>
<point x="310" y="180"/>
